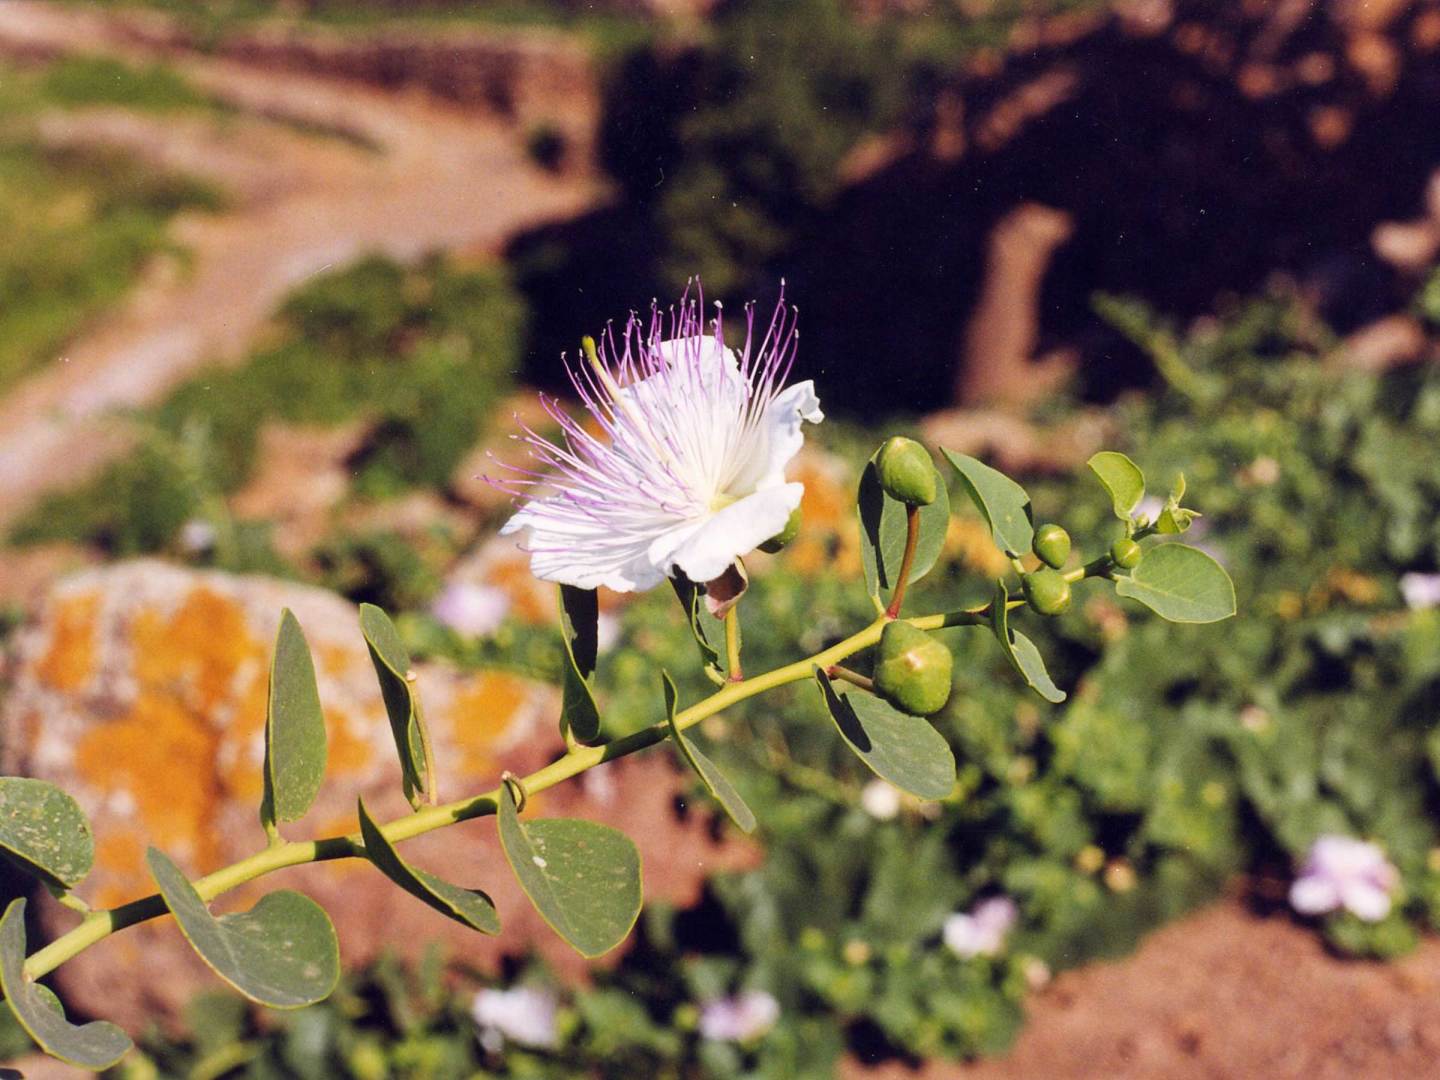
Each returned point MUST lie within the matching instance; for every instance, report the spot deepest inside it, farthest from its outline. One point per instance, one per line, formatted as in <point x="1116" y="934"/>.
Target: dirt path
<point x="1224" y="995"/>
<point x="437" y="177"/>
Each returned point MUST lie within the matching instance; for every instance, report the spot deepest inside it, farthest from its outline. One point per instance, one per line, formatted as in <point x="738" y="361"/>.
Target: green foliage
<point x="579" y="625"/>
<point x="281" y="953"/>
<point x="1002" y="502"/>
<point x="715" y="781"/>
<point x="469" y="907"/>
<point x="583" y="878"/>
<point x="1182" y="584"/>
<point x="904" y="750"/>
<point x="402" y="700"/>
<point x="884" y="530"/>
<point x="103" y="80"/>
<point x="96" y="1045"/>
<point x="44" y="831"/>
<point x="295" y="746"/>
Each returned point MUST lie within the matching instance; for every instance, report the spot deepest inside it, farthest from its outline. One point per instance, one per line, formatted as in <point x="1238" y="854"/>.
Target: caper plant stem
<point x="836" y="671"/>
<point x="98" y="925"/>
<point x="912" y="539"/>
<point x="732" y="644"/>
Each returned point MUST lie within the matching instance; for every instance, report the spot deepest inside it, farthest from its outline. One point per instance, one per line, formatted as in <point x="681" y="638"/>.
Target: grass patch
<point x="425" y="352"/>
<point x="78" y="227"/>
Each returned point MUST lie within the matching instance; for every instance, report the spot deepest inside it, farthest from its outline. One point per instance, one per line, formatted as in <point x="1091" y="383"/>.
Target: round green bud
<point x="906" y="471"/>
<point x="1125" y="553"/>
<point x="912" y="670"/>
<point x="785" y="535"/>
<point x="1047" y="591"/>
<point x="1052" y="545"/>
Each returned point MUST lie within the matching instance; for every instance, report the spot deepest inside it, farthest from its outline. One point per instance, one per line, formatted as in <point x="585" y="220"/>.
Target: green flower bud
<point x="1125" y="553"/>
<point x="785" y="535"/>
<point x="906" y="471"/>
<point x="1047" y="591"/>
<point x="912" y="671"/>
<point x="1052" y="545"/>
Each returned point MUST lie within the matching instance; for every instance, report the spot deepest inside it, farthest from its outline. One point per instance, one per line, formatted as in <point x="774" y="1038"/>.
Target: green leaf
<point x="392" y="664"/>
<point x="294" y="729"/>
<point x="281" y="953"/>
<point x="471" y="907"/>
<point x="96" y="1045"/>
<point x="44" y="831"/>
<point x="1182" y="584"/>
<point x="1174" y="518"/>
<point x="1002" y="502"/>
<point x="715" y="781"/>
<point x="1024" y="657"/>
<point x="583" y="878"/>
<point x="1122" y="479"/>
<point x="883" y="531"/>
<point x="579" y="627"/>
<point x="703" y="625"/>
<point x="905" y="750"/>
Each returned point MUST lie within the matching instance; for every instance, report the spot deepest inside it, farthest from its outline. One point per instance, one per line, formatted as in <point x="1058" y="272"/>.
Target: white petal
<point x="1365" y="900"/>
<point x="706" y="549"/>
<point x="963" y="937"/>
<point x="778" y="439"/>
<point x="1314" y="895"/>
<point x="571" y="549"/>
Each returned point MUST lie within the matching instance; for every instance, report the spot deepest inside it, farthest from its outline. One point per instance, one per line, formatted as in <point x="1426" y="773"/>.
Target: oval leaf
<point x="468" y="906"/>
<point x="883" y="531"/>
<point x="1182" y="584"/>
<point x="1024" y="657"/>
<point x="96" y="1045"/>
<point x="392" y="663"/>
<point x="294" y="729"/>
<point x="905" y="750"/>
<point x="715" y="781"/>
<point x="579" y="627"/>
<point x="1122" y="479"/>
<point x="44" y="831"/>
<point x="1002" y="502"/>
<point x="281" y="953"/>
<point x="583" y="878"/>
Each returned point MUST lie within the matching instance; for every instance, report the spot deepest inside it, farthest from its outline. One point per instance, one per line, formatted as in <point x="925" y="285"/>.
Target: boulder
<point x="140" y="688"/>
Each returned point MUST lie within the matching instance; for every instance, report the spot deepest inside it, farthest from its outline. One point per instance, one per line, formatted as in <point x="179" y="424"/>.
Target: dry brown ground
<point x="1224" y="995"/>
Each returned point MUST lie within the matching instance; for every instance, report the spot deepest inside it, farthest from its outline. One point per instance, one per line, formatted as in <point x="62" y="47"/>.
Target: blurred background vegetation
<point x="1206" y="235"/>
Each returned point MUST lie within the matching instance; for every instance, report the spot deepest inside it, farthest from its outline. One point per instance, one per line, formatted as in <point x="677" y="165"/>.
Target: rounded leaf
<point x="470" y="907"/>
<point x="905" y="750"/>
<point x="1182" y="584"/>
<point x="583" y="878"/>
<point x="96" y="1045"/>
<point x="281" y="953"/>
<point x="44" y="831"/>
<point x="1122" y="478"/>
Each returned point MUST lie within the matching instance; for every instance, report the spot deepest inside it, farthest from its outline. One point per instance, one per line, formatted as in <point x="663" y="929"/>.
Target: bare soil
<point x="1225" y="994"/>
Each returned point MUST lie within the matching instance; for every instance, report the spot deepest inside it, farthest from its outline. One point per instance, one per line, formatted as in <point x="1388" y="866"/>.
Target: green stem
<point x="732" y="644"/>
<point x="98" y="925"/>
<point x="836" y="671"/>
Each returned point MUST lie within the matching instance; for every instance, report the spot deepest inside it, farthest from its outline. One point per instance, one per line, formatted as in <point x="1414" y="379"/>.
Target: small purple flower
<point x="1342" y="872"/>
<point x="688" y="472"/>
<point x="741" y="1018"/>
<point x="983" y="930"/>
<point x="471" y="610"/>
<point x="1421" y="591"/>
<point x="524" y="1015"/>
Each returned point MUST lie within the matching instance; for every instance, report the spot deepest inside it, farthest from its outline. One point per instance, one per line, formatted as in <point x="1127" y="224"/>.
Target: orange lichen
<point x="196" y="652"/>
<point x="529" y="601"/>
<point x="348" y="753"/>
<point x="969" y="540"/>
<point x="162" y="756"/>
<point x="829" y="540"/>
<point x="481" y="716"/>
<point x="120" y="857"/>
<point x="70" y="660"/>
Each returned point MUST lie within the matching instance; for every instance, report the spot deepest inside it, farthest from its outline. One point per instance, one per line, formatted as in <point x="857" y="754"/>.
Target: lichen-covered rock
<point x="140" y="689"/>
